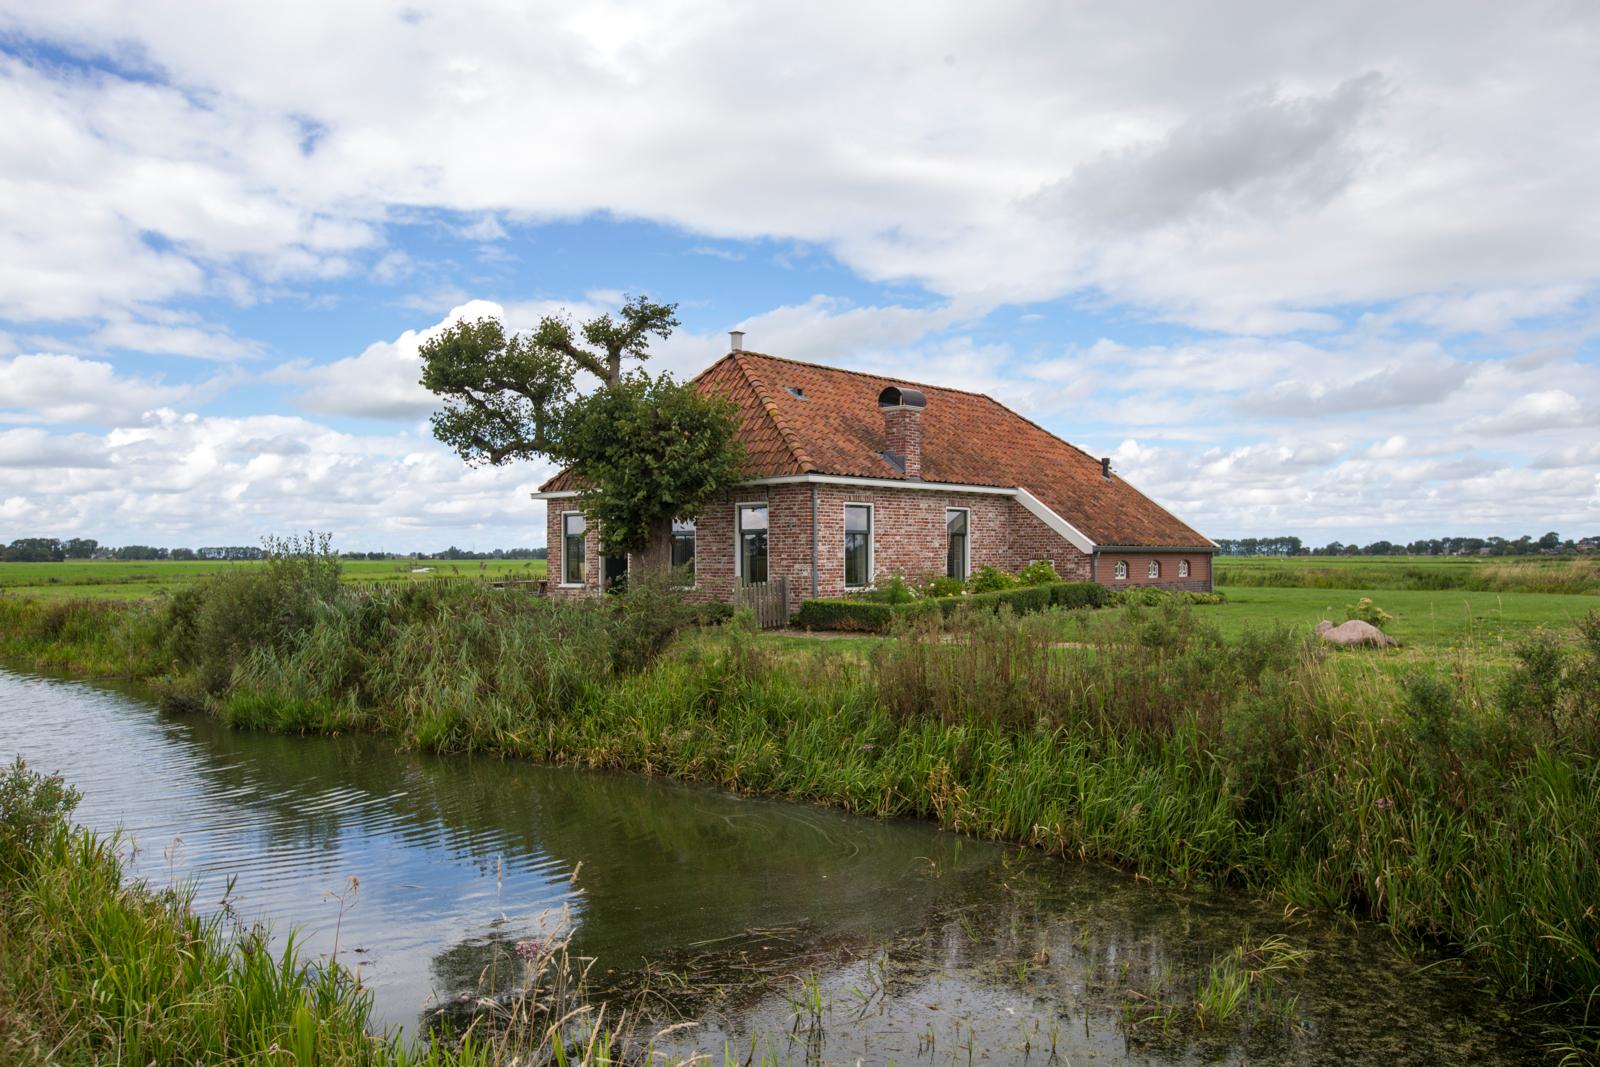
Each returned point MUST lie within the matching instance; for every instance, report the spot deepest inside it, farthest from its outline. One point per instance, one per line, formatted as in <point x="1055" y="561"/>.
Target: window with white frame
<point x="572" y="531"/>
<point x="1183" y="568"/>
<point x="1153" y="570"/>
<point x="752" y="538"/>
<point x="857" y="546"/>
<point x="958" y="557"/>
<point x="683" y="550"/>
<point x="1121" y="570"/>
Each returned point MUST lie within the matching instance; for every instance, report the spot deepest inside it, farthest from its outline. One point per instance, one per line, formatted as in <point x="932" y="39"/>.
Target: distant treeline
<point x="55" y="550"/>
<point x="1550" y="544"/>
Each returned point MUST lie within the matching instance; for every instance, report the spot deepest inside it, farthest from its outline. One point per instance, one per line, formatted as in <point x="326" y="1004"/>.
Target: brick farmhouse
<point x="855" y="477"/>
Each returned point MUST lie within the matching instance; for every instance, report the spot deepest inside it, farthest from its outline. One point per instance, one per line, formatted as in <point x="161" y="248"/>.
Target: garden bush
<point x="1039" y="572"/>
<point x="867" y="616"/>
<point x="987" y="579"/>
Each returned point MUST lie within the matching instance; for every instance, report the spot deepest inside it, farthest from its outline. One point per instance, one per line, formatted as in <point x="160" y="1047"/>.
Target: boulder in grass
<point x="1353" y="634"/>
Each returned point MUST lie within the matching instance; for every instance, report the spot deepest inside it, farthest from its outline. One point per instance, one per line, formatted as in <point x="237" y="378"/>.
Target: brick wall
<point x="591" y="552"/>
<point x="909" y="538"/>
<point x="1199" y="579"/>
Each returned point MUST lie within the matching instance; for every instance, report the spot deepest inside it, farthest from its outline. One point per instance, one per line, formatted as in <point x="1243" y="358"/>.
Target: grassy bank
<point x="95" y="969"/>
<point x="1456" y="805"/>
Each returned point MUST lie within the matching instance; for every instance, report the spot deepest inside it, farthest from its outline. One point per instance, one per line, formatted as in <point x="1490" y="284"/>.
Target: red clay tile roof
<point x="835" y="427"/>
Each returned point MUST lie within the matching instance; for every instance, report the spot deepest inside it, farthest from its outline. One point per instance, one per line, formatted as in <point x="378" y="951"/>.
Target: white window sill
<point x="571" y="585"/>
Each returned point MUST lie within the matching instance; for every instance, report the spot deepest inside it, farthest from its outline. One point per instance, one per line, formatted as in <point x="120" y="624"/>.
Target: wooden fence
<point x="768" y="600"/>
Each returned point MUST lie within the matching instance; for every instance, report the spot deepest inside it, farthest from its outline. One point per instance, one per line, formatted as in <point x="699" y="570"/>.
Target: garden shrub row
<point x="867" y="616"/>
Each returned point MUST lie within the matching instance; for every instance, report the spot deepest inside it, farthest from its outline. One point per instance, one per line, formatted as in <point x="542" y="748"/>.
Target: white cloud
<point x="1232" y="167"/>
<point x="1550" y="409"/>
<point x="183" y="478"/>
<point x="58" y="388"/>
<point x="383" y="381"/>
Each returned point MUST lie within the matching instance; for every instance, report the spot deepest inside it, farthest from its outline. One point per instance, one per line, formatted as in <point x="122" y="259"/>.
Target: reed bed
<point x="1456" y="807"/>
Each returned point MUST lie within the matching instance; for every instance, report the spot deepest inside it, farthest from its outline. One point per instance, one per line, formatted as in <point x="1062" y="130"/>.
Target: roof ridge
<point x="790" y="438"/>
<point x="864" y="374"/>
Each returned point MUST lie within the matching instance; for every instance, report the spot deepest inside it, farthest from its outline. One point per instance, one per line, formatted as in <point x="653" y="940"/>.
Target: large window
<point x="752" y="543"/>
<point x="959" y="555"/>
<point x="857" y="546"/>
<point x="683" y="550"/>
<point x="572" y="529"/>
<point x="1121" y="570"/>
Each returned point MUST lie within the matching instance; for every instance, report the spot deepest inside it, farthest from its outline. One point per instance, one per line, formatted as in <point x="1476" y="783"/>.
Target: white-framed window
<point x="958" y="555"/>
<point x="1120" y="572"/>
<point x="683" y="550"/>
<point x="857" y="546"/>
<point x="1183" y="568"/>
<point x="573" y="528"/>
<point x="1153" y="570"/>
<point x="750" y="542"/>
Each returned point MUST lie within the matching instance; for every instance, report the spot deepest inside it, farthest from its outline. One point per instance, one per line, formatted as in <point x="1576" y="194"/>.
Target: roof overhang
<point x="1209" y="546"/>
<point x="1038" y="508"/>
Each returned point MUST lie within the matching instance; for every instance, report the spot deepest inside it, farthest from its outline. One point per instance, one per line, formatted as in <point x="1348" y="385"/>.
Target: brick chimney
<point x="902" y="428"/>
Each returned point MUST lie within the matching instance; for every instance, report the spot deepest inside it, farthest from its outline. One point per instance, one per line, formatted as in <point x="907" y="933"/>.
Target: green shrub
<point x="1039" y="572"/>
<point x="863" y="616"/>
<point x="32" y="806"/>
<point x="1150" y="596"/>
<point x="989" y="579"/>
<point x="892" y="590"/>
<point x="1365" y="610"/>
<point x="1079" y="595"/>
<point x="869" y="616"/>
<point x="943" y="586"/>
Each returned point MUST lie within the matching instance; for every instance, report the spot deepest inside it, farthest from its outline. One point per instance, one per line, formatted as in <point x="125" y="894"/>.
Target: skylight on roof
<point x="795" y="391"/>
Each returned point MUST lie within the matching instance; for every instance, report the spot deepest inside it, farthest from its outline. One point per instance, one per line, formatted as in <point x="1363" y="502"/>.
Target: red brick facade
<point x="1170" y="566"/>
<point x="909" y="538"/>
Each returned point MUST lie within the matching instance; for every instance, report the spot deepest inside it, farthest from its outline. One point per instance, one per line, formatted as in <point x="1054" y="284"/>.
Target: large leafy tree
<point x="644" y="449"/>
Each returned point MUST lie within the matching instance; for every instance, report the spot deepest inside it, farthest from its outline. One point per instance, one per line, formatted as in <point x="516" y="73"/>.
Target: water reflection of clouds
<point x="457" y="855"/>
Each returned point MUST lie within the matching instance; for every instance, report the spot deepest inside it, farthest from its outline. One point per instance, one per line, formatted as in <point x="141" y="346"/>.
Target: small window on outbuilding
<point x="1121" y="571"/>
<point x="1183" y="568"/>
<point x="1154" y="570"/>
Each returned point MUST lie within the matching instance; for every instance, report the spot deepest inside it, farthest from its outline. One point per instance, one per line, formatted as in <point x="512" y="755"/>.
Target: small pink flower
<point x="530" y="949"/>
<point x="868" y="746"/>
<point x="1383" y="803"/>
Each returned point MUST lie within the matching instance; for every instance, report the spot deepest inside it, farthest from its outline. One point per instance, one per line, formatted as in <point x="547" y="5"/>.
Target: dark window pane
<point x="956" y="560"/>
<point x="683" y="549"/>
<point x="753" y="544"/>
<point x="857" y="546"/>
<point x="572" y="528"/>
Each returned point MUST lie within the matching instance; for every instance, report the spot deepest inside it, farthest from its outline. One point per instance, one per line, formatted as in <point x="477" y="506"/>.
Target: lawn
<point x="1520" y="574"/>
<point x="1424" y="619"/>
<point x="132" y="580"/>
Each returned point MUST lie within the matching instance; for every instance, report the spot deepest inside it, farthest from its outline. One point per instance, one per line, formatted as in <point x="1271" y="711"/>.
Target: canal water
<point x="801" y="933"/>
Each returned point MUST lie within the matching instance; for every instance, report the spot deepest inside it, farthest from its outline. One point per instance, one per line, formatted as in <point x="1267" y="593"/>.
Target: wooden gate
<point x="768" y="600"/>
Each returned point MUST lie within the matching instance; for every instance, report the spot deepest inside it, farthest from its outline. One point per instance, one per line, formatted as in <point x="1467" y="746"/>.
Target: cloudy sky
<point x="1329" y="271"/>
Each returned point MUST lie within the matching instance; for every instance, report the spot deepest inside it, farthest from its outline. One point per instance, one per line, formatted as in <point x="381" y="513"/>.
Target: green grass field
<point x="1437" y="603"/>
<point x="133" y="580"/>
<point x="1493" y="574"/>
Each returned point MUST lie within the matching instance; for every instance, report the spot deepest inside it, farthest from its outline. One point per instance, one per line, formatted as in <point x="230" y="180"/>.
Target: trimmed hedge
<point x="867" y="616"/>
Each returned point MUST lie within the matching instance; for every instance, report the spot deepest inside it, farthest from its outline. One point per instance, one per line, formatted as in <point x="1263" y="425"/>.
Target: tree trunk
<point x="656" y="555"/>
